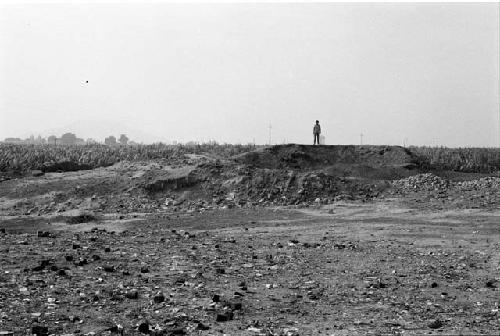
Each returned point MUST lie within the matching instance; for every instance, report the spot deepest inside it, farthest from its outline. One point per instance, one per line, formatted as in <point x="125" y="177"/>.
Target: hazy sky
<point x="426" y="72"/>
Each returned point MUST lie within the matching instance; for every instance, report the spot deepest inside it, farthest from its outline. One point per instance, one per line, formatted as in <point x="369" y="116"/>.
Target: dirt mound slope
<point x="297" y="175"/>
<point x="170" y="179"/>
<point x="306" y="156"/>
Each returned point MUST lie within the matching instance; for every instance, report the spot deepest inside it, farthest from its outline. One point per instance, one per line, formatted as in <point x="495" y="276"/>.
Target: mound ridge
<point x="314" y="157"/>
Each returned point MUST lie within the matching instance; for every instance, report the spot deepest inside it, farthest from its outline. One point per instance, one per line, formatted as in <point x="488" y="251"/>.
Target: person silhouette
<point x="316" y="132"/>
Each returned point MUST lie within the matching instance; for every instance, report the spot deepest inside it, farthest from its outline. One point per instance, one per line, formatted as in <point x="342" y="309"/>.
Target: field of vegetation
<point x="468" y="160"/>
<point x="28" y="157"/>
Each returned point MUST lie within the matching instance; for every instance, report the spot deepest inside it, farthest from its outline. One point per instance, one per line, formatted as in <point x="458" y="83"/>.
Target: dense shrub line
<point x="26" y="157"/>
<point x="469" y="160"/>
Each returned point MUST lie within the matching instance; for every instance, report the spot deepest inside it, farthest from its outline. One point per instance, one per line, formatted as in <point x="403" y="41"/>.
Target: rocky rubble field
<point x="250" y="273"/>
<point x="432" y="191"/>
<point x="289" y="240"/>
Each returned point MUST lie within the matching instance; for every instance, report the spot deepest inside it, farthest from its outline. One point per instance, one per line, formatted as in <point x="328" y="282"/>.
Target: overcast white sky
<point x="426" y="72"/>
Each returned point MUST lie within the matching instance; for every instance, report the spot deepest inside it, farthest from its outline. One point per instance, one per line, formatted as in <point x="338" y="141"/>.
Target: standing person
<point x="316" y="132"/>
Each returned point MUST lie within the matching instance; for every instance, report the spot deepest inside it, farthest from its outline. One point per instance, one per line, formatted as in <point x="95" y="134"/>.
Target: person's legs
<point x="316" y="138"/>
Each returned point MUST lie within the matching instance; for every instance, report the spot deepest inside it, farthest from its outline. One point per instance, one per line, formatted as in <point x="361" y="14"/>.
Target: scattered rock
<point x="202" y="326"/>
<point x="40" y="330"/>
<point x="43" y="234"/>
<point x="235" y="305"/>
<point x="158" y="298"/>
<point x="224" y="317"/>
<point x="133" y="295"/>
<point x="436" y="324"/>
<point x="143" y="327"/>
<point x="81" y="262"/>
<point x="177" y="331"/>
<point x="491" y="284"/>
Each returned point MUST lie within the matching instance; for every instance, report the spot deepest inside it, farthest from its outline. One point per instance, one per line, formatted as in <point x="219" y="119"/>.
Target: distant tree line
<point x="70" y="139"/>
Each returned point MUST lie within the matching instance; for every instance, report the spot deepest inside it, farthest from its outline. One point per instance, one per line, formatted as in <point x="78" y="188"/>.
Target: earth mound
<point x="287" y="174"/>
<point x="312" y="157"/>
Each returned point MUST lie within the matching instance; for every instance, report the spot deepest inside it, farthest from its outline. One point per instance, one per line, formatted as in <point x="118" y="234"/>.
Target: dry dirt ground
<point x="384" y="266"/>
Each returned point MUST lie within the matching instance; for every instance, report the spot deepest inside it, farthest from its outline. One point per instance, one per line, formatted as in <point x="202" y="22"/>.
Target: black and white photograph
<point x="249" y="168"/>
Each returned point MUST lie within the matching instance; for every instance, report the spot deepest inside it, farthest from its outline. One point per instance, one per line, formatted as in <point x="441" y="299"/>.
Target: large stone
<point x="159" y="298"/>
<point x="224" y="317"/>
<point x="39" y="330"/>
<point x="37" y="173"/>
<point x="143" y="327"/>
<point x="172" y="179"/>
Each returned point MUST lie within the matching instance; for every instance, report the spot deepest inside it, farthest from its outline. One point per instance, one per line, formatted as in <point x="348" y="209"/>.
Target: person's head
<point x="317" y="121"/>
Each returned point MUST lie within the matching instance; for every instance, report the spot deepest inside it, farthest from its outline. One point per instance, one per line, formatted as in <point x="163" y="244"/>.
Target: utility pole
<point x="361" y="139"/>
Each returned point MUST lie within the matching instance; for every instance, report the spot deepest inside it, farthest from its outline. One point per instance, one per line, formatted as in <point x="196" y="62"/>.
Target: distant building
<point x="13" y="140"/>
<point x="40" y="141"/>
<point x="110" y="141"/>
<point x="123" y="140"/>
<point x="68" y="139"/>
<point x="52" y="140"/>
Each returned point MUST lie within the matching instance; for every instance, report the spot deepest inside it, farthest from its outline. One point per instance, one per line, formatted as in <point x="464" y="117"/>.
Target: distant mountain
<point x="100" y="129"/>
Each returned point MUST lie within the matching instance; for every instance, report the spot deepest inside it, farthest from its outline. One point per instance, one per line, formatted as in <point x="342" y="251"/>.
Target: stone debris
<point x="421" y="182"/>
